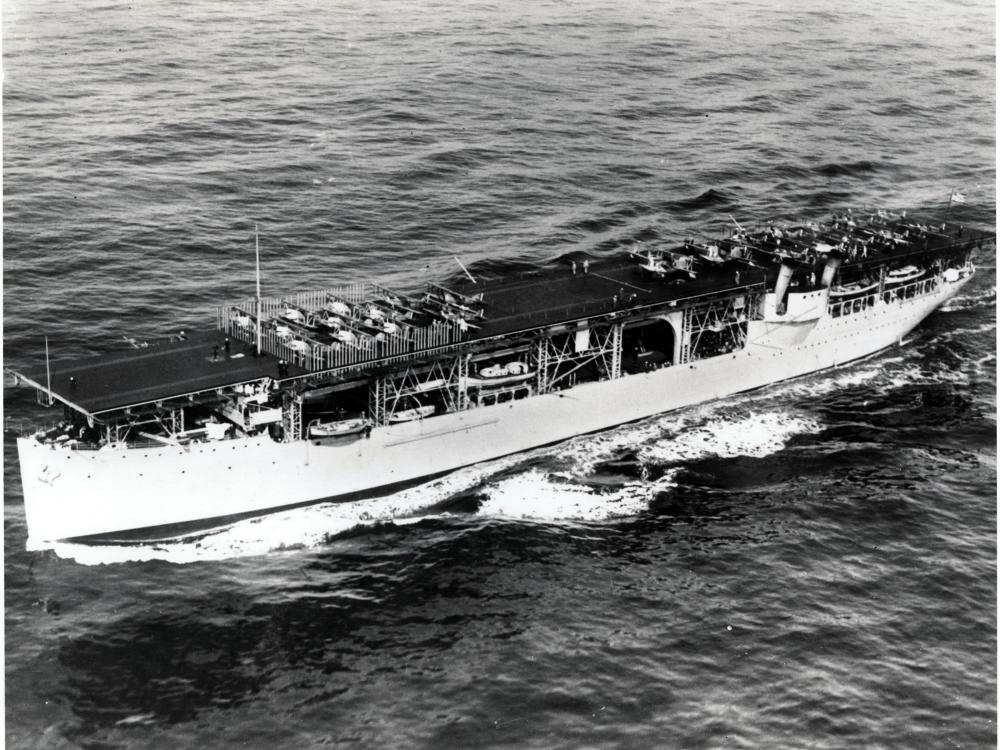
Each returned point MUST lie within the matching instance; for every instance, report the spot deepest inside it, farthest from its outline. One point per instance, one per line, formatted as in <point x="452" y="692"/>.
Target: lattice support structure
<point x="559" y="358"/>
<point x="176" y="421"/>
<point x="686" y="326"/>
<point x="462" y="390"/>
<point x="442" y="383"/>
<point x="615" y="366"/>
<point x="376" y="396"/>
<point x="292" y="418"/>
<point x="725" y="319"/>
<point x="541" y="356"/>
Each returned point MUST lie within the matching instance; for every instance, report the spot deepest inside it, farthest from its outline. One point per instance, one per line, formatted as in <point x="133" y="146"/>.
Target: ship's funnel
<point x="831" y="269"/>
<point x="781" y="287"/>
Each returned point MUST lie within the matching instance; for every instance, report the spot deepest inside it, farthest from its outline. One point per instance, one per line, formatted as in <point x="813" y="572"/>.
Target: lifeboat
<point x="430" y="385"/>
<point x="408" y="415"/>
<point x="858" y="287"/>
<point x="902" y="275"/>
<point x="497" y="374"/>
<point x="340" y="430"/>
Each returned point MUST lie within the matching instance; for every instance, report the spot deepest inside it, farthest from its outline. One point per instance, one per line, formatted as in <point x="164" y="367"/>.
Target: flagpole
<point x="256" y="240"/>
<point x="48" y="372"/>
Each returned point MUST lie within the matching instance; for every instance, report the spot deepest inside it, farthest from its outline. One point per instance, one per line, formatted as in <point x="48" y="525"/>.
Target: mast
<point x="48" y="372"/>
<point x="256" y="240"/>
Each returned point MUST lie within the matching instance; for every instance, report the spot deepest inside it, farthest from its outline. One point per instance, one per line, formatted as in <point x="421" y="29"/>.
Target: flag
<point x="957" y="197"/>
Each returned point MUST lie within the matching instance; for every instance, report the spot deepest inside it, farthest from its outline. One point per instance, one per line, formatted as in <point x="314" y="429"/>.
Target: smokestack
<point x="781" y="288"/>
<point x="831" y="269"/>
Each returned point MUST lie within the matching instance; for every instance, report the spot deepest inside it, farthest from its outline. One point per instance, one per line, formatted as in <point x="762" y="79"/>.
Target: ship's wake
<point x="619" y="473"/>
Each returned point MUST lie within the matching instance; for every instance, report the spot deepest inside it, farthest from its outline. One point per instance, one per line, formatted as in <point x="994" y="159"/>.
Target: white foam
<point x="914" y="374"/>
<point x="535" y="495"/>
<point x="754" y="434"/>
<point x="697" y="433"/>
<point x="585" y="452"/>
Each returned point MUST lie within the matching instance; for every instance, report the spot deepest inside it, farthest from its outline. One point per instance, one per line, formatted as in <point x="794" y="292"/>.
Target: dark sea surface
<point x="808" y="566"/>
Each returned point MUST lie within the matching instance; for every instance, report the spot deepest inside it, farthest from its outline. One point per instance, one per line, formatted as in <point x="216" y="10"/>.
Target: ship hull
<point x="81" y="493"/>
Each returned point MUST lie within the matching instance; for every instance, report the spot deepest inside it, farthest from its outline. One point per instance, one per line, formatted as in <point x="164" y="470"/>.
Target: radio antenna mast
<point x="256" y="241"/>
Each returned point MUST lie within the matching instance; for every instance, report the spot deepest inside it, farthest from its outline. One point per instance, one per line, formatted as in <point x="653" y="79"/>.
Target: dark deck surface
<point x="136" y="376"/>
<point x="555" y="296"/>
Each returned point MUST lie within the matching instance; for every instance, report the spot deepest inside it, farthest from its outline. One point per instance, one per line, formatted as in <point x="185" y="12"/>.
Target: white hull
<point x="70" y="493"/>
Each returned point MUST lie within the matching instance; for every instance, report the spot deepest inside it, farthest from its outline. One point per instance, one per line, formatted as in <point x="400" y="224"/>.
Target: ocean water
<point x="810" y="565"/>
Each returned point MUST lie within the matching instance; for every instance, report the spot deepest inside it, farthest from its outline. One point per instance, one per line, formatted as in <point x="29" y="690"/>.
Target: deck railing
<point x="313" y="350"/>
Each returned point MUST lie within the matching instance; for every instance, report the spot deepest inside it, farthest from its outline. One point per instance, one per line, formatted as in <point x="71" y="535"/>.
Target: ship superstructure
<point x="354" y="389"/>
